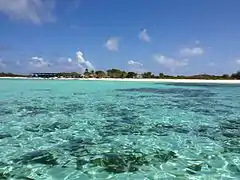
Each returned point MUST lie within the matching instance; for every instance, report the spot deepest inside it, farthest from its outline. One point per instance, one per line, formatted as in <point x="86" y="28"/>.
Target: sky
<point x="173" y="37"/>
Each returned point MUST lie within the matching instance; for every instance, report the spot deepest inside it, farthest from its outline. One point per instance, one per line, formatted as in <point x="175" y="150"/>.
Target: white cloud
<point x="82" y="62"/>
<point x="38" y="62"/>
<point x="143" y="35"/>
<point x="170" y="63"/>
<point x="134" y="63"/>
<point x="37" y="11"/>
<point x="187" y="52"/>
<point x="238" y="61"/>
<point x="2" y="64"/>
<point x="80" y="57"/>
<point x="112" y="44"/>
<point x="89" y="65"/>
<point x="70" y="60"/>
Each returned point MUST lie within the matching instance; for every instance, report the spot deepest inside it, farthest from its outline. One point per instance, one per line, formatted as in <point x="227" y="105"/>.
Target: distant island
<point x="117" y="73"/>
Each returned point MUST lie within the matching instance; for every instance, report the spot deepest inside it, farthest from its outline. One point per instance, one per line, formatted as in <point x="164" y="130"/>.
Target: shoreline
<point x="135" y="80"/>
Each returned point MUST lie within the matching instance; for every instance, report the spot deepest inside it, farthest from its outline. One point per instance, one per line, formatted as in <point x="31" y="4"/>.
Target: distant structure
<point x="44" y="75"/>
<point x="139" y="76"/>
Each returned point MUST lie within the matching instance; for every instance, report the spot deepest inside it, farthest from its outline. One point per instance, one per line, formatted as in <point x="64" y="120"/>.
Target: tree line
<point x="117" y="73"/>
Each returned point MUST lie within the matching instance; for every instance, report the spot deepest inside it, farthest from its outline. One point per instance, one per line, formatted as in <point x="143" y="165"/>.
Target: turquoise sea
<point x="79" y="130"/>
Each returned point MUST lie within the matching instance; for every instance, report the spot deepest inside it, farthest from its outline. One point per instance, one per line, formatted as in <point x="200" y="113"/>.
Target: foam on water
<point x="67" y="130"/>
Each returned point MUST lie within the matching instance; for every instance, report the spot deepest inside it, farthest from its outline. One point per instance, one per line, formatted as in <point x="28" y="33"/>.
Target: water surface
<point x="69" y="130"/>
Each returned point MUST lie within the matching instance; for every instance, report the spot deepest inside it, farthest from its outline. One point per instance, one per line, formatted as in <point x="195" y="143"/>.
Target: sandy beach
<point x="137" y="80"/>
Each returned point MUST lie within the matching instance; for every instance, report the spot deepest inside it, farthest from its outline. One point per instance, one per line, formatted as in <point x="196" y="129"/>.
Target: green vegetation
<point x="2" y="74"/>
<point x="117" y="73"/>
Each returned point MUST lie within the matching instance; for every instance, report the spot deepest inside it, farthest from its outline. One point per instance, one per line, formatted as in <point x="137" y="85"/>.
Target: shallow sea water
<point x="80" y="130"/>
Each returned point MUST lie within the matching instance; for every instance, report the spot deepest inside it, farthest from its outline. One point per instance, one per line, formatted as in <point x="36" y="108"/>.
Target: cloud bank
<point x="39" y="62"/>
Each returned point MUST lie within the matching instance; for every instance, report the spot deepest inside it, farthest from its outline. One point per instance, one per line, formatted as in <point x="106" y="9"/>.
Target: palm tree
<point x="100" y="74"/>
<point x="86" y="73"/>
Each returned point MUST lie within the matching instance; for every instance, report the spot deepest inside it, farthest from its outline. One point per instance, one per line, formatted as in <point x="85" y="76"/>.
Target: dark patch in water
<point x="55" y="126"/>
<point x="80" y="163"/>
<point x="198" y="105"/>
<point x="196" y="100"/>
<point x="164" y="156"/>
<point x="2" y="164"/>
<point x="181" y="92"/>
<point x="78" y="93"/>
<point x="47" y="127"/>
<point x="231" y="145"/>
<point x="162" y="129"/>
<point x="200" y="85"/>
<point x="209" y="132"/>
<point x="194" y="168"/>
<point x="5" y="135"/>
<point x="231" y="133"/>
<point x="4" y="176"/>
<point x="230" y="128"/>
<point x="5" y="111"/>
<point x="124" y="115"/>
<point x="33" y="128"/>
<point x="230" y="124"/>
<point x="130" y="162"/>
<point x="42" y="90"/>
<point x="119" y="120"/>
<point x="115" y="163"/>
<point x="38" y="157"/>
<point x="114" y="129"/>
<point x="62" y="97"/>
<point x="181" y="130"/>
<point x="147" y="96"/>
<point x="234" y="168"/>
<point x="78" y="146"/>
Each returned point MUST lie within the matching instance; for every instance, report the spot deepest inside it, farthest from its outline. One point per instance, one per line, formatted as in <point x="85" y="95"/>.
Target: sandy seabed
<point x="137" y="80"/>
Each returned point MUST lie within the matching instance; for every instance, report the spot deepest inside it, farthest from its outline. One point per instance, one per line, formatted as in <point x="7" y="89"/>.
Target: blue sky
<point x="174" y="37"/>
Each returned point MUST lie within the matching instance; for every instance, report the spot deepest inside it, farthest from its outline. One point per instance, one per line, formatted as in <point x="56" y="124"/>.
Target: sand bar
<point x="138" y="80"/>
